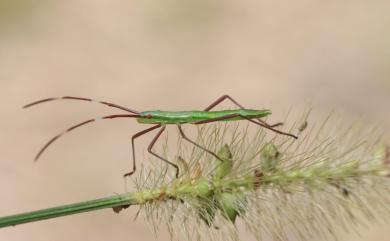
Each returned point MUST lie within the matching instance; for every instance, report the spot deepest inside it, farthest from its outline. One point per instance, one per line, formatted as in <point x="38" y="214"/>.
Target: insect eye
<point x="149" y="116"/>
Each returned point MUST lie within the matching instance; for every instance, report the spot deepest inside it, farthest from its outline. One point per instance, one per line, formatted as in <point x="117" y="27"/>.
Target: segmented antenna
<point x="77" y="126"/>
<point x="82" y="99"/>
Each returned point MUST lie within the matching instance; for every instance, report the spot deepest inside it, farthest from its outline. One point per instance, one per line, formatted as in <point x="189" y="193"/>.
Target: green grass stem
<point x="108" y="202"/>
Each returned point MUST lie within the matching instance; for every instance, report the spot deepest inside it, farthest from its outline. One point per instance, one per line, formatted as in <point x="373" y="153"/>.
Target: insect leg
<point x="75" y="127"/>
<point x="221" y="118"/>
<point x="269" y="127"/>
<point x="223" y="97"/>
<point x="220" y="99"/>
<point x="158" y="156"/>
<point x="133" y="149"/>
<point x="272" y="126"/>
<point x="196" y="144"/>
<point x="82" y="99"/>
<point x="265" y="125"/>
<point x="231" y="116"/>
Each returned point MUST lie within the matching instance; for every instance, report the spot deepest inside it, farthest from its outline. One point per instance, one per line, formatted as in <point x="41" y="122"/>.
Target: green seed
<point x="207" y="210"/>
<point x="225" y="167"/>
<point x="231" y="205"/>
<point x="183" y="166"/>
<point x="269" y="157"/>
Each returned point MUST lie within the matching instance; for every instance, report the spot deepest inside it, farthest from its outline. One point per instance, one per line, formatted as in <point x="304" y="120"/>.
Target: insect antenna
<point x="81" y="99"/>
<point x="77" y="126"/>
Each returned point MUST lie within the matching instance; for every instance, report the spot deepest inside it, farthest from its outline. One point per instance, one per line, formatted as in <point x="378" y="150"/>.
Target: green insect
<point x="159" y="120"/>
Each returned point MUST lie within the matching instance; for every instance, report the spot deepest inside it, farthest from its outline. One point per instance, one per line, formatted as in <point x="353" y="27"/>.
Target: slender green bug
<point x="160" y="119"/>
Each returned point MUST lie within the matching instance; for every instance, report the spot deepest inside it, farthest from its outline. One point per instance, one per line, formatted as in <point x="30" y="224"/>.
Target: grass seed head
<point x="333" y="178"/>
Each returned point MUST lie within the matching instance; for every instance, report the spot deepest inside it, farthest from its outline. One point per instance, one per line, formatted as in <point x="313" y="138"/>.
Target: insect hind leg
<point x="270" y="127"/>
<point x="224" y="97"/>
<point x="257" y="122"/>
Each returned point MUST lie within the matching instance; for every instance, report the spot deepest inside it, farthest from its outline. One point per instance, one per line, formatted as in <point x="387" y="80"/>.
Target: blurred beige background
<point x="175" y="55"/>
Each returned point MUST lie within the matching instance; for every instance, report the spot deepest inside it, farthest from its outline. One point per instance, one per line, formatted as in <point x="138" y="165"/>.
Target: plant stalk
<point x="108" y="202"/>
<point x="198" y="188"/>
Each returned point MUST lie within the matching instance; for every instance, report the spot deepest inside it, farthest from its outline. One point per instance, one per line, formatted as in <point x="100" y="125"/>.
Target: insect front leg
<point x="133" y="149"/>
<point x="158" y="156"/>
